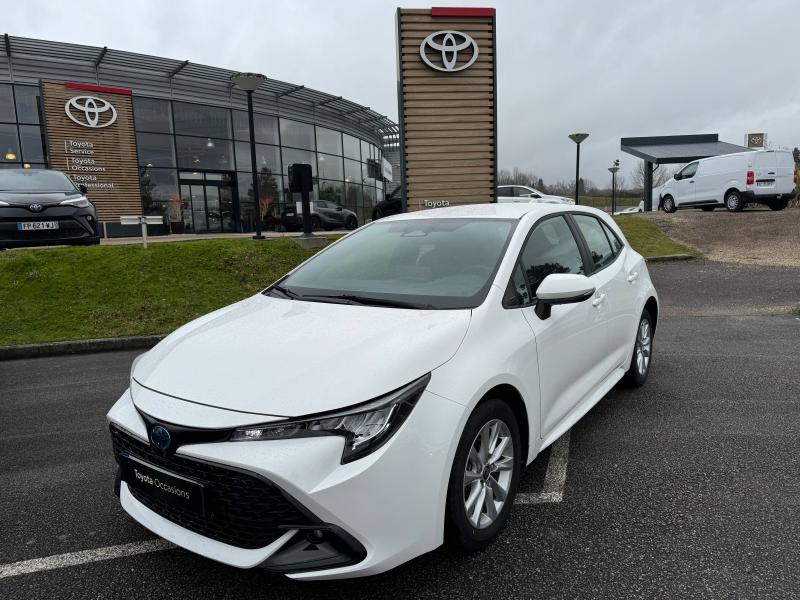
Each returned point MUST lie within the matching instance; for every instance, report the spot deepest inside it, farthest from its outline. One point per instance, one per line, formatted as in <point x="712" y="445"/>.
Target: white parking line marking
<point x="72" y="559"/>
<point x="555" y="477"/>
<point x="552" y="492"/>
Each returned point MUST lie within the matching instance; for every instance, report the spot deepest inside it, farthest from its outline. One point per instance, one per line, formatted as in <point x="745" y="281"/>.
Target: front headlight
<point x="2" y="203"/>
<point x="365" y="428"/>
<point x="76" y="202"/>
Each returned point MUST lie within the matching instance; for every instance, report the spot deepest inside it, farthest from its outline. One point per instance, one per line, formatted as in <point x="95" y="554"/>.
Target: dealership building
<point x="157" y="136"/>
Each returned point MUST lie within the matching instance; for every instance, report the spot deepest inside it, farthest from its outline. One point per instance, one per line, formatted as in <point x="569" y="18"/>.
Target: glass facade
<point x="195" y="165"/>
<point x="21" y="134"/>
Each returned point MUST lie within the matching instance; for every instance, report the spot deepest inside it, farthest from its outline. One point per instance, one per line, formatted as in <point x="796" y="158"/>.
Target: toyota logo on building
<point x="90" y="111"/>
<point x="441" y="50"/>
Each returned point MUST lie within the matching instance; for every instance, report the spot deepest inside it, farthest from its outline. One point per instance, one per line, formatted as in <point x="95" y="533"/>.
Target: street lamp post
<point x="249" y="82"/>
<point x="577" y="138"/>
<point x="614" y="168"/>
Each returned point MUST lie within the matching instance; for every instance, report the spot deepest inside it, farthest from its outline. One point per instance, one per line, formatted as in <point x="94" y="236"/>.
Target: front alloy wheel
<point x="484" y="477"/>
<point x="669" y="205"/>
<point x="487" y="476"/>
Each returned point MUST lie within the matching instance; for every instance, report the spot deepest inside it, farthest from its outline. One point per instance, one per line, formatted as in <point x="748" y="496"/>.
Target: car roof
<point x="513" y="210"/>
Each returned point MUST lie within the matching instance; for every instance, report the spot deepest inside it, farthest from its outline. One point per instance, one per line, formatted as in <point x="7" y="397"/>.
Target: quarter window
<point x="517" y="291"/>
<point x="616" y="244"/>
<point x="551" y="248"/>
<point x="599" y="246"/>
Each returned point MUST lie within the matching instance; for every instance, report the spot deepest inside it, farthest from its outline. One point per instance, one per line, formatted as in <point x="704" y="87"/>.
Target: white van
<point x="732" y="180"/>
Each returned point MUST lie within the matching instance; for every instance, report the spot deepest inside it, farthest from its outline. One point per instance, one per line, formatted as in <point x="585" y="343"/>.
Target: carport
<point x="673" y="149"/>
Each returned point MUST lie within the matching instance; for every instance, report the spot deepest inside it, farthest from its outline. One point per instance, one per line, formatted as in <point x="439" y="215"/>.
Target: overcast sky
<point x="611" y="68"/>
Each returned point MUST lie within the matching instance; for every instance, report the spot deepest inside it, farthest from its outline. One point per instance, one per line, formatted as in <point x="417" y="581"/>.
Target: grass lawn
<point x="51" y="294"/>
<point x="648" y="240"/>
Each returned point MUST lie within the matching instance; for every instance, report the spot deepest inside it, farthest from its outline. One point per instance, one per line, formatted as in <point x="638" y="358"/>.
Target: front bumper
<point x="75" y="225"/>
<point x="390" y="503"/>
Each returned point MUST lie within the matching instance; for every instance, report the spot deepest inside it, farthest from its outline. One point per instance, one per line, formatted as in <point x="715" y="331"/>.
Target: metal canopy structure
<point x="178" y="79"/>
<point x="673" y="149"/>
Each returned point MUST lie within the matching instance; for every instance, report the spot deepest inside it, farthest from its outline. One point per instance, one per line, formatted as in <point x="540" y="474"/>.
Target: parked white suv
<point x="524" y="193"/>
<point x="732" y="180"/>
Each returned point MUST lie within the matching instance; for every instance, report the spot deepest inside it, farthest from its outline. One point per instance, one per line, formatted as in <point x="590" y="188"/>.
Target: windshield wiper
<point x="368" y="301"/>
<point x="285" y="291"/>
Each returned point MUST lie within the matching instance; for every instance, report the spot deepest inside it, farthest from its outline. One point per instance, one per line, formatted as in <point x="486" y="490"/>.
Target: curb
<point x="78" y="346"/>
<point x="670" y="257"/>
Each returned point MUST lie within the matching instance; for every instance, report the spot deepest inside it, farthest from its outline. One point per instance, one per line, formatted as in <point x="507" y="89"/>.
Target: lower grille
<point x="242" y="510"/>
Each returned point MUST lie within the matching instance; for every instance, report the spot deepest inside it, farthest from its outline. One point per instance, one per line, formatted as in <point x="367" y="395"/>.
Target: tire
<point x="707" y="208"/>
<point x="461" y="529"/>
<point x="351" y="223"/>
<point x="641" y="360"/>
<point x="777" y="204"/>
<point x="668" y="204"/>
<point x="316" y="224"/>
<point x="734" y="201"/>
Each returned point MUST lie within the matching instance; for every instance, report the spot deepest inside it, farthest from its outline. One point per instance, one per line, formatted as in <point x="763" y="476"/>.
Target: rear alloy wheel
<point x="668" y="204"/>
<point x="777" y="204"/>
<point x="708" y="208"/>
<point x="642" y="351"/>
<point x="485" y="474"/>
<point x="351" y="223"/>
<point x="734" y="201"/>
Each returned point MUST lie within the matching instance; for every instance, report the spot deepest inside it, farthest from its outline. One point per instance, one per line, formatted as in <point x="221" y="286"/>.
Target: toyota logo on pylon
<point x="447" y="44"/>
<point x="90" y="111"/>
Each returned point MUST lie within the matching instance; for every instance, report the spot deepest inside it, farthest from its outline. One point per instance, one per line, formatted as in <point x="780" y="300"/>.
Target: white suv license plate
<point x="37" y="225"/>
<point x="764" y="183"/>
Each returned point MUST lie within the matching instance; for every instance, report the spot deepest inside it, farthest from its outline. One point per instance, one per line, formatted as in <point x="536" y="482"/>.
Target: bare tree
<point x="661" y="174"/>
<point x="517" y="177"/>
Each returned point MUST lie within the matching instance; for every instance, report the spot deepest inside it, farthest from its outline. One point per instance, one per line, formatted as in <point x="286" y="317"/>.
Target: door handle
<point x="771" y="173"/>
<point x="691" y="181"/>
<point x="633" y="277"/>
<point x="599" y="300"/>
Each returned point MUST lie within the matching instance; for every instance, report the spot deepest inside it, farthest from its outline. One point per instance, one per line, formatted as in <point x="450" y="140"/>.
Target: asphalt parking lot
<point x="688" y="487"/>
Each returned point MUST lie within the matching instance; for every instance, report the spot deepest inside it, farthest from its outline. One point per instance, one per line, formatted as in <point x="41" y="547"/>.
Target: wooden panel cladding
<point x="448" y="116"/>
<point x="103" y="157"/>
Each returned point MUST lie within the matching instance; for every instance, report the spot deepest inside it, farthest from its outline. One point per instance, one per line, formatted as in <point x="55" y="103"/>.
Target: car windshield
<point x="411" y="263"/>
<point x="33" y="180"/>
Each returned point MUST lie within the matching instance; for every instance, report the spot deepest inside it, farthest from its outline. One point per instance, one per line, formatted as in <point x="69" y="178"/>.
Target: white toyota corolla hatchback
<point x="385" y="395"/>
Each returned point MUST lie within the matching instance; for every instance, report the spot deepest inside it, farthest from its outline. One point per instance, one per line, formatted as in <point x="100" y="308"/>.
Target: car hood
<point x="271" y="356"/>
<point x="45" y="198"/>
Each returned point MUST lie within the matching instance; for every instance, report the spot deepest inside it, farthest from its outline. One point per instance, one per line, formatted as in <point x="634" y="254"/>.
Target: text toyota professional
<point x="388" y="392"/>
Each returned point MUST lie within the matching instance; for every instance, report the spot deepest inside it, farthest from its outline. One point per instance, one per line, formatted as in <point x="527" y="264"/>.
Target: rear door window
<point x="599" y="246"/>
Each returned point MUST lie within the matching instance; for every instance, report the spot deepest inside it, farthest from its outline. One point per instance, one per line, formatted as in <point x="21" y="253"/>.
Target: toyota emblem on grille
<point x="90" y="111"/>
<point x="445" y="45"/>
<point x="36" y="207"/>
<point x="160" y="437"/>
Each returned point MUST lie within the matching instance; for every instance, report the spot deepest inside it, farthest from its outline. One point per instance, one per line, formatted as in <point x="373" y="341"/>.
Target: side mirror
<point x="339" y="208"/>
<point x="677" y="177"/>
<point x="562" y="288"/>
<point x="83" y="189"/>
